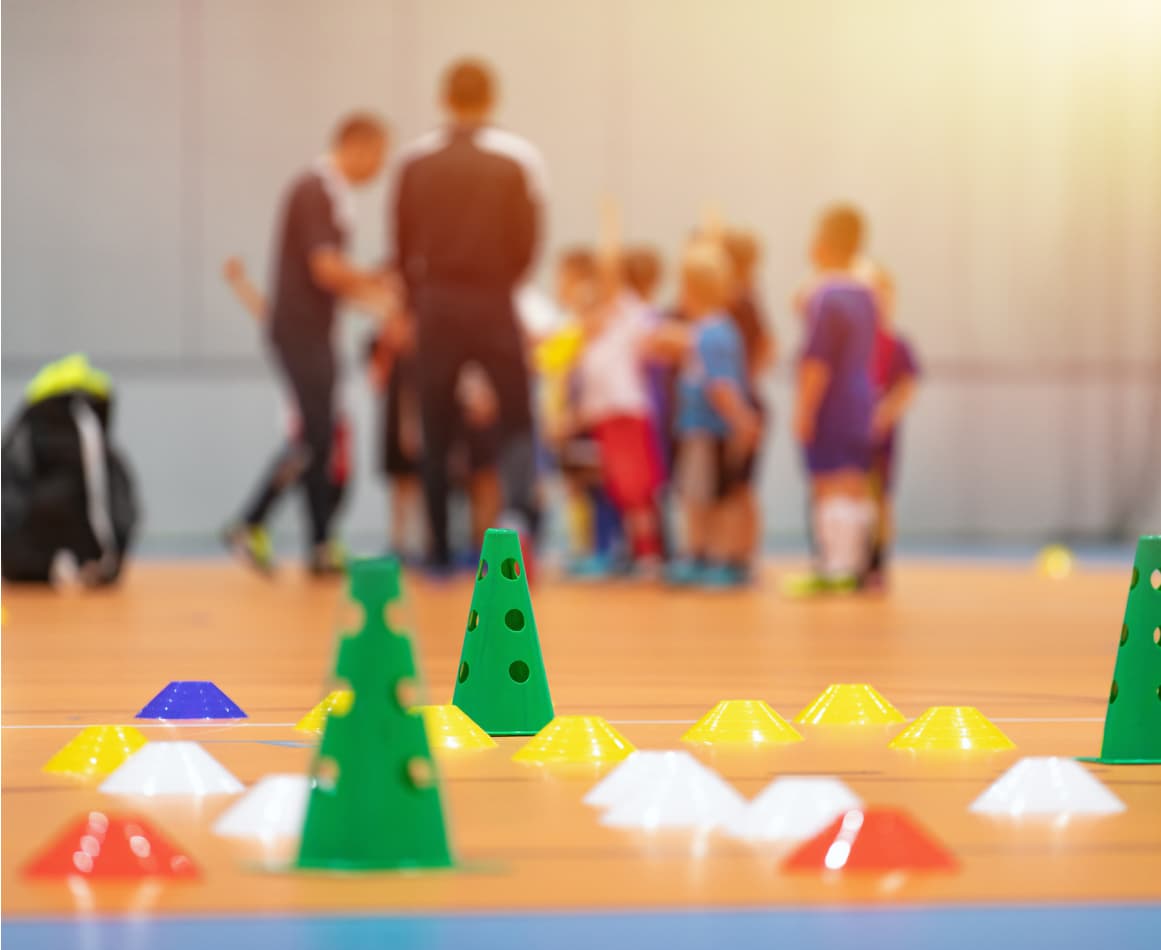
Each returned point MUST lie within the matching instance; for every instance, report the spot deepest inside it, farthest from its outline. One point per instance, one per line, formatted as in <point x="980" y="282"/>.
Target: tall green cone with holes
<point x="1133" y="719"/>
<point x="501" y="681"/>
<point x="376" y="802"/>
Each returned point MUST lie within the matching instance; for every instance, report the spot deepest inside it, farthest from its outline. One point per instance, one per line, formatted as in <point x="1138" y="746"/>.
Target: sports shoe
<point x="591" y="567"/>
<point x="251" y="544"/>
<point x="813" y="584"/>
<point x="327" y="559"/>
<point x="683" y="572"/>
<point x="722" y="577"/>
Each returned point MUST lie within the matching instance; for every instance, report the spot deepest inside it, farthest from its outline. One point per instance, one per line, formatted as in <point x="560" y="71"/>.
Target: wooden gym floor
<point x="1033" y="654"/>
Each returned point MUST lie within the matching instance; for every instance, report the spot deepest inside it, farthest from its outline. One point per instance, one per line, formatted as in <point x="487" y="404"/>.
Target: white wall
<point x="1008" y="155"/>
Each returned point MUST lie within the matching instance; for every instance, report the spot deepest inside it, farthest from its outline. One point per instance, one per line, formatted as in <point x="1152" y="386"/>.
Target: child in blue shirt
<point x="716" y="426"/>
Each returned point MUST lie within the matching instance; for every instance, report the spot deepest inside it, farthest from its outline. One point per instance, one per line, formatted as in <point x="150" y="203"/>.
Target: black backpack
<point x="69" y="504"/>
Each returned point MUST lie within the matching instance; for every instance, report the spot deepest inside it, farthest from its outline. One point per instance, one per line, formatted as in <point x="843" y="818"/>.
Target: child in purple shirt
<point x="836" y="401"/>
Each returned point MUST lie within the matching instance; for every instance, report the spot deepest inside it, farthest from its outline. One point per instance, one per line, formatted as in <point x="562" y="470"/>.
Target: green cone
<point x="501" y="681"/>
<point x="1133" y="719"/>
<point x="376" y="803"/>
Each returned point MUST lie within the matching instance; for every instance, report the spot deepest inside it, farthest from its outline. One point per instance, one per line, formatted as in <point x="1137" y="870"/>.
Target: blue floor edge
<point x="901" y="927"/>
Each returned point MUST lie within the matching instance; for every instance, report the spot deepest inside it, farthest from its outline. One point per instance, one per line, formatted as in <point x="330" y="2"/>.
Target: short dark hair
<point x="359" y="127"/>
<point x="841" y="229"/>
<point x="641" y="268"/>
<point x="580" y="261"/>
<point x="469" y="84"/>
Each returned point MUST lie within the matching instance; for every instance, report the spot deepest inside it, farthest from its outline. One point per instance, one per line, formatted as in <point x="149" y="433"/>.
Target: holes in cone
<point x="393" y="618"/>
<point x="1124" y="634"/>
<point x="406" y="694"/>
<point x="420" y="773"/>
<point x="514" y="619"/>
<point x="1155" y="579"/>
<point x="326" y="774"/>
<point x="463" y="674"/>
<point x="519" y="671"/>
<point x="1133" y="580"/>
<point x="473" y="620"/>
<point x="510" y="568"/>
<point x="483" y="570"/>
<point x="1113" y="692"/>
<point x="352" y="617"/>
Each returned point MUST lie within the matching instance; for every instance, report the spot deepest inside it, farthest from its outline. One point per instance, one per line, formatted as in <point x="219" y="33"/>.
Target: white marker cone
<point x="677" y="792"/>
<point x="793" y="808"/>
<point x="1046" y="785"/>
<point x="274" y="808"/>
<point x="627" y="777"/>
<point x="171" y="768"/>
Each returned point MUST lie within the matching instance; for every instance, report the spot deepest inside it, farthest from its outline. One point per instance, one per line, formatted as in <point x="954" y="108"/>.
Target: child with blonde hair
<point x="717" y="427"/>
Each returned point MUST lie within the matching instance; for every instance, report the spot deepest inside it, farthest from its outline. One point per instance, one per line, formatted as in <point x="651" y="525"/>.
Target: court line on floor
<point x="212" y="724"/>
<point x="686" y="722"/>
<point x="168" y="724"/>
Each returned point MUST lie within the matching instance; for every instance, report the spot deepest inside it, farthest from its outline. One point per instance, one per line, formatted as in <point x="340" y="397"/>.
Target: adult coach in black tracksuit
<point x="466" y="224"/>
<point x="312" y="273"/>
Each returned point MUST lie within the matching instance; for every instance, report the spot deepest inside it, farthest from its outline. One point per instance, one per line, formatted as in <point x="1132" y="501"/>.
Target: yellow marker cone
<point x="849" y="704"/>
<point x="338" y="701"/>
<point x="575" y="740"/>
<point x="450" y="728"/>
<point x="96" y="751"/>
<point x="952" y="729"/>
<point x="742" y="722"/>
<point x="1055" y="562"/>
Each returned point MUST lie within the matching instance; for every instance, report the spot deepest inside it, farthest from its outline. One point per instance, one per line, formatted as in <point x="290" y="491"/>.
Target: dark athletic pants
<point x="310" y="372"/>
<point x="458" y="325"/>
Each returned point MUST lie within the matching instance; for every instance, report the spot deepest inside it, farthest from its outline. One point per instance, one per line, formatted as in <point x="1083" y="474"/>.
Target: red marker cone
<point x="111" y="846"/>
<point x="872" y="839"/>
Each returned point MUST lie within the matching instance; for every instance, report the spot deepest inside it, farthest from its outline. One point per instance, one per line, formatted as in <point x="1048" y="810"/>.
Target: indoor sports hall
<point x="636" y="473"/>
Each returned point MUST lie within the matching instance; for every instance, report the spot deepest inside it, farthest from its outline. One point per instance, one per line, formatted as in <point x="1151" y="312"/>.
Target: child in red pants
<point x="613" y="403"/>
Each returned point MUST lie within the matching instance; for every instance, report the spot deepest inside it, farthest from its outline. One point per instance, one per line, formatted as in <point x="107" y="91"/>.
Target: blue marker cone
<point x="191" y="699"/>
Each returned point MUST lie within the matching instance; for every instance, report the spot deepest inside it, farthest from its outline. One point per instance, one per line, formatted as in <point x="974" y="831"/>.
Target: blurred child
<point x="613" y="403"/>
<point x="472" y="459"/>
<point x="392" y="371"/>
<point x="745" y="307"/>
<point x="249" y="537"/>
<point x="758" y="344"/>
<point x="641" y="272"/>
<point x="835" y="402"/>
<point x="593" y="524"/>
<point x="717" y="427"/>
<point x="556" y="355"/>
<point x="894" y="374"/>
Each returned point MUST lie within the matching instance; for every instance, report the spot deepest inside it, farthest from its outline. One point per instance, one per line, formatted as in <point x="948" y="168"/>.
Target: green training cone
<point x="501" y="681"/>
<point x="376" y="802"/>
<point x="1133" y="719"/>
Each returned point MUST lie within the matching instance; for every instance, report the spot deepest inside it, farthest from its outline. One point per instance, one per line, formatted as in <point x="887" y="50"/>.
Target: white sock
<point x="849" y="532"/>
<point x="829" y="516"/>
